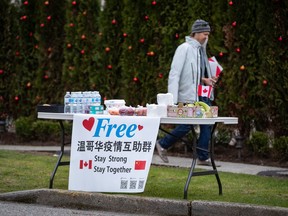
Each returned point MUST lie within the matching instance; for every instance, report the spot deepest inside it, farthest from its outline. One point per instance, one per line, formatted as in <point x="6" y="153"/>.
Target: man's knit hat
<point x="200" y="26"/>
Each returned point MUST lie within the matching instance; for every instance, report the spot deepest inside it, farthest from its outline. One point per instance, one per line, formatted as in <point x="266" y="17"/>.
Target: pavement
<point x="63" y="202"/>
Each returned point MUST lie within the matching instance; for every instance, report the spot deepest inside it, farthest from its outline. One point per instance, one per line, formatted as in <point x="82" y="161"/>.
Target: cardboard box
<point x="183" y="112"/>
<point x="191" y="112"/>
<point x="214" y="111"/>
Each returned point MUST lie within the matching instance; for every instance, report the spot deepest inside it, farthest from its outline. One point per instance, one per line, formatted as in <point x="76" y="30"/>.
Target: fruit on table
<point x="205" y="106"/>
<point x="190" y="105"/>
<point x="113" y="111"/>
<point x="122" y="110"/>
<point x="129" y="111"/>
<point x="126" y="111"/>
<point x="208" y="115"/>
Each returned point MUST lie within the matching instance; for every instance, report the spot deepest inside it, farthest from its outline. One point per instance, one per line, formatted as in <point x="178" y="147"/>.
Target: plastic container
<point x="115" y="103"/>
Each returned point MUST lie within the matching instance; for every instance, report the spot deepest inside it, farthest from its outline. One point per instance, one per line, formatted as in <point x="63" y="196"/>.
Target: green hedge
<point x="28" y="129"/>
<point x="259" y="144"/>
<point x="280" y="148"/>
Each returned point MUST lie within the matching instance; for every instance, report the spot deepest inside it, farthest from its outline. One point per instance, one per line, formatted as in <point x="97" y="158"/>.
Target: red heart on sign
<point x="140" y="127"/>
<point x="88" y="124"/>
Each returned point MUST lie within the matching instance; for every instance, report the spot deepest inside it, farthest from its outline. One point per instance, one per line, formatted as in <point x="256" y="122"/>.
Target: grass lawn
<point x="25" y="171"/>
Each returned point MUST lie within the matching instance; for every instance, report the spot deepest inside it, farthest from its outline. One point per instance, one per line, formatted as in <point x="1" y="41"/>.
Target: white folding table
<point x="60" y="117"/>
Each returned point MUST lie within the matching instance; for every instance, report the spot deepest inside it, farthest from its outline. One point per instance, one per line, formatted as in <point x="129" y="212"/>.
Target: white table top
<point x="163" y="120"/>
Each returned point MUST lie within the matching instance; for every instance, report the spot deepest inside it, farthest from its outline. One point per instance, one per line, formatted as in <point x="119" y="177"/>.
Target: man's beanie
<point x="200" y="26"/>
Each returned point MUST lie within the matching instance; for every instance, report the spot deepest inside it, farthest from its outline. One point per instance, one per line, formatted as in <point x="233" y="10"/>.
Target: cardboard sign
<point x="111" y="153"/>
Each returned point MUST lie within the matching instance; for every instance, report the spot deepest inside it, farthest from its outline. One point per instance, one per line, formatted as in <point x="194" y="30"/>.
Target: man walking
<point x="189" y="70"/>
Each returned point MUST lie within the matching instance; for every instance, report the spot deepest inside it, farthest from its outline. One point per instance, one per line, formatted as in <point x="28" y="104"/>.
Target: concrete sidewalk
<point x="63" y="202"/>
<point x="239" y="168"/>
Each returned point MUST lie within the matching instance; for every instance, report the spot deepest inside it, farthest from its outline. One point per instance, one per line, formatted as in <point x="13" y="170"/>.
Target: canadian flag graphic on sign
<point x="85" y="164"/>
<point x="204" y="91"/>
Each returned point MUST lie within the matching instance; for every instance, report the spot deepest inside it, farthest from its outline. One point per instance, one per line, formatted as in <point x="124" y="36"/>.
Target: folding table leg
<point x="194" y="159"/>
<point x="55" y="170"/>
<point x="189" y="178"/>
<point x="59" y="163"/>
<point x="212" y="158"/>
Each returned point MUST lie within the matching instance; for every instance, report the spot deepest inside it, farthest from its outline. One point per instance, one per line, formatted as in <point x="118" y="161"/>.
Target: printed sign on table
<point x="111" y="153"/>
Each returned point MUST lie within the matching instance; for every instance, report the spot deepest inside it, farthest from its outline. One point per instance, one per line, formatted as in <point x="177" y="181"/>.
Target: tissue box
<point x="183" y="112"/>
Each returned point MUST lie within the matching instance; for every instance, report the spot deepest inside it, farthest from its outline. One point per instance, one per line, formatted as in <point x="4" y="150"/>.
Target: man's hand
<point x="210" y="81"/>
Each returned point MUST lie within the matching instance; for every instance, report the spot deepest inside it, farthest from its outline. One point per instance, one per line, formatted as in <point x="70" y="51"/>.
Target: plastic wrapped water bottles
<point x="79" y="102"/>
<point x="96" y="98"/>
<point x="67" y="102"/>
<point x="95" y="106"/>
<point x="83" y="102"/>
<point x="73" y="102"/>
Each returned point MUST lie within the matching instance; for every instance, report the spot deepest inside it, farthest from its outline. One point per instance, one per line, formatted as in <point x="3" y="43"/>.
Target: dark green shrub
<point x="67" y="127"/>
<point x="223" y="135"/>
<point x="46" y="130"/>
<point x="27" y="128"/>
<point x="259" y="143"/>
<point x="280" y="148"/>
<point x="23" y="127"/>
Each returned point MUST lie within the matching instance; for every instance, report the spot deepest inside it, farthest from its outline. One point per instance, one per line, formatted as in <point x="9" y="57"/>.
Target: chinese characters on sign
<point x="117" y="146"/>
<point x="111" y="153"/>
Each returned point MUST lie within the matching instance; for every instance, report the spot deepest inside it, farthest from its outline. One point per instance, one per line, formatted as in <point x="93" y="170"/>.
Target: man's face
<point x="201" y="37"/>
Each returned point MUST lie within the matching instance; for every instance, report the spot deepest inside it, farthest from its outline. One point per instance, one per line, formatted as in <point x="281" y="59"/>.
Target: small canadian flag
<point x="204" y="91"/>
<point x="215" y="67"/>
<point x="84" y="164"/>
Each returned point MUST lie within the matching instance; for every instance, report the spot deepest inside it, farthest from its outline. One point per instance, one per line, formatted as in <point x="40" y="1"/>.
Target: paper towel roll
<point x="165" y="99"/>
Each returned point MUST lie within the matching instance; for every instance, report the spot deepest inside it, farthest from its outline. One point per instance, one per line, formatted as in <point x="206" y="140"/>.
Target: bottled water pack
<point x="82" y="102"/>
